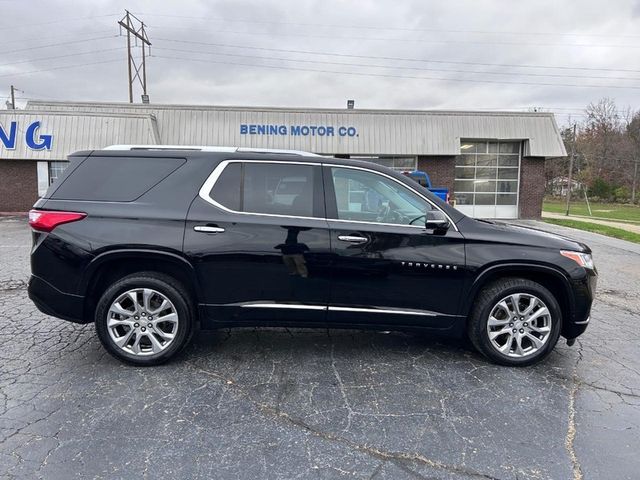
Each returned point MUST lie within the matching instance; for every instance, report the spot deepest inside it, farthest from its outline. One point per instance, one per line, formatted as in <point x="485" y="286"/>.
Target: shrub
<point x="601" y="188"/>
<point x="622" y="195"/>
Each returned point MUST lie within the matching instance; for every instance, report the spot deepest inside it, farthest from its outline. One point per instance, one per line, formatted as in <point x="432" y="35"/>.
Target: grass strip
<point x="596" y="228"/>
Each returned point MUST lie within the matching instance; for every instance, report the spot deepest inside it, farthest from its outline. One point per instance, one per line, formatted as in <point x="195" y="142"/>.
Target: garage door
<point x="487" y="179"/>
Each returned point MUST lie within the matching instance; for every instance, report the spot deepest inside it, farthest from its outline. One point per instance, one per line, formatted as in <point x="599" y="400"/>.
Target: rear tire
<point x="515" y="322"/>
<point x="145" y="318"/>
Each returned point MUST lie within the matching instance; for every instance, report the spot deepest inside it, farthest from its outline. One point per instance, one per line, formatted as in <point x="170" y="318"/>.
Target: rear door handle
<point x="208" y="229"/>
<point x="352" y="238"/>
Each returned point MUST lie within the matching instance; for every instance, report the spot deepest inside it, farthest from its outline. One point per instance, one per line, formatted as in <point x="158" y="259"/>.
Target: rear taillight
<point x="47" y="220"/>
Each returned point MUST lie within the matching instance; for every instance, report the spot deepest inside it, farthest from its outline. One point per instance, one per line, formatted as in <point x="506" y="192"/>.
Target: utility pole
<point x="136" y="28"/>
<point x="635" y="180"/>
<point x="573" y="152"/>
<point x="13" y="98"/>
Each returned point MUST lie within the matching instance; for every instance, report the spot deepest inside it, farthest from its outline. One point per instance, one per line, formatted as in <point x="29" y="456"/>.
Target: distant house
<point x="559" y="185"/>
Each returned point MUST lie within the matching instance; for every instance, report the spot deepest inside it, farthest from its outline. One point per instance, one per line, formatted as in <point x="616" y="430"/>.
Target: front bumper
<point x="584" y="291"/>
<point x="52" y="301"/>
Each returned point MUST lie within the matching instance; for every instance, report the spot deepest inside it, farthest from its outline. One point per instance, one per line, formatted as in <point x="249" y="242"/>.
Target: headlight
<point x="583" y="259"/>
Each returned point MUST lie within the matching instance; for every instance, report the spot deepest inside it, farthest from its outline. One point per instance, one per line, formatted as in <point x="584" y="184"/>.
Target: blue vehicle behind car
<point x="423" y="179"/>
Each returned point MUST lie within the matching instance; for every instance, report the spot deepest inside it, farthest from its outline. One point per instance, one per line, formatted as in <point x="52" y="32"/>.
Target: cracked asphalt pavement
<point x="283" y="403"/>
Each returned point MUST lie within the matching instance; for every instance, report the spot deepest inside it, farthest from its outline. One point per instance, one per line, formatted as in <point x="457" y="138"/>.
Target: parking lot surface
<point x="281" y="403"/>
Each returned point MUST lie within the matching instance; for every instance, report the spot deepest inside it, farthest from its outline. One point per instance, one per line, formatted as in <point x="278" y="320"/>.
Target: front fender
<point x="523" y="269"/>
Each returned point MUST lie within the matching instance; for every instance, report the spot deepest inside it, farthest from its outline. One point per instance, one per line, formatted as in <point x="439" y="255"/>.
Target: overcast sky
<point x="417" y="54"/>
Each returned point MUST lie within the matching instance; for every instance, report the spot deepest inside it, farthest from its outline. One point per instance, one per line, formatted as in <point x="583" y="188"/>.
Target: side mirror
<point x="437" y="221"/>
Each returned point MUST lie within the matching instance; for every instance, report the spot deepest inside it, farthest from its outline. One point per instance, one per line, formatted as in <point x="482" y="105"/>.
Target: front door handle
<point x="208" y="229"/>
<point x="353" y="238"/>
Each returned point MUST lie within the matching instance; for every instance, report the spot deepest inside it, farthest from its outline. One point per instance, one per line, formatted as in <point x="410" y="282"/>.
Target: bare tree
<point x="602" y="127"/>
<point x="633" y="132"/>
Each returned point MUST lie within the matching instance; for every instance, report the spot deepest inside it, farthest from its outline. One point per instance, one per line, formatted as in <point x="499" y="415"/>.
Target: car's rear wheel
<point x="144" y="318"/>
<point x="515" y="321"/>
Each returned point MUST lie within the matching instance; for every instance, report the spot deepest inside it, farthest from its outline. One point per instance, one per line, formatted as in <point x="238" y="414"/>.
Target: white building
<point x="492" y="162"/>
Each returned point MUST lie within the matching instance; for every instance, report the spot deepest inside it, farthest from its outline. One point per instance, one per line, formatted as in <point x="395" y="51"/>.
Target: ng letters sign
<point x="32" y="138"/>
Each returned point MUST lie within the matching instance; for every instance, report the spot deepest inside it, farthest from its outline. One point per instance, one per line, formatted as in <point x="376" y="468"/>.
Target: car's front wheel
<point x="144" y="318"/>
<point x="515" y="322"/>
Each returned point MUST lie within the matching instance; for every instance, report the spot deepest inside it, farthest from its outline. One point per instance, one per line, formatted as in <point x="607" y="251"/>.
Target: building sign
<point x="32" y="138"/>
<point x="299" y="130"/>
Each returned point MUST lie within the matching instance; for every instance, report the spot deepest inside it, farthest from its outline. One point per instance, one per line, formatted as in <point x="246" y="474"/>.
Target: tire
<point x="122" y="321"/>
<point x="532" y="334"/>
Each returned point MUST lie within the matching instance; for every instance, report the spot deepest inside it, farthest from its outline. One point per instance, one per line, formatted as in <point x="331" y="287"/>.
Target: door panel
<point x="400" y="268"/>
<point x="383" y="260"/>
<point x="260" y="268"/>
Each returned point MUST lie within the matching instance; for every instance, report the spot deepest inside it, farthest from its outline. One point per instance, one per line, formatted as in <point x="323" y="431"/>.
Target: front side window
<point x="369" y="197"/>
<point x="267" y="188"/>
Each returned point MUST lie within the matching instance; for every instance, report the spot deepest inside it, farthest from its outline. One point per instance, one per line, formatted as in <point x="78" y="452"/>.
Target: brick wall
<point x="18" y="185"/>
<point x="441" y="170"/>
<point x="531" y="187"/>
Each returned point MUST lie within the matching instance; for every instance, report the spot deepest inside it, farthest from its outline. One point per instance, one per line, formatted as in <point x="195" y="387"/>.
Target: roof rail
<point x="196" y="148"/>
<point x="205" y="148"/>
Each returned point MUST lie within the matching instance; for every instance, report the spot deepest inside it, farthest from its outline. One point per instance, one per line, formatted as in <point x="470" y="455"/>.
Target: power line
<point x="62" y="20"/>
<point x="397" y="67"/>
<point x="404" y="59"/>
<point x="63" y="67"/>
<point x="70" y="42"/>
<point x="60" y="56"/>
<point x="402" y="29"/>
<point x="412" y="40"/>
<point x="48" y="37"/>
<point x="504" y="82"/>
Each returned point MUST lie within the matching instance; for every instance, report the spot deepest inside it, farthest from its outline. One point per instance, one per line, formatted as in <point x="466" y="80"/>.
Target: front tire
<point x="515" y="322"/>
<point x="144" y="318"/>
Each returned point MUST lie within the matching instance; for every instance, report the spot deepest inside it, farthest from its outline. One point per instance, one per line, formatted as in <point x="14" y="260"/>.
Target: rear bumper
<point x="52" y="301"/>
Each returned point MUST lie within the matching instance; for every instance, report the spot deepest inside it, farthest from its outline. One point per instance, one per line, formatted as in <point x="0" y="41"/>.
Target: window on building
<point x="487" y="175"/>
<point x="399" y="164"/>
<point x="55" y="170"/>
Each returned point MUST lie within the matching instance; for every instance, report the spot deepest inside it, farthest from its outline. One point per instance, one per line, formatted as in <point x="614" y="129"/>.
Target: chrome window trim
<point x="376" y="223"/>
<point x="211" y="180"/>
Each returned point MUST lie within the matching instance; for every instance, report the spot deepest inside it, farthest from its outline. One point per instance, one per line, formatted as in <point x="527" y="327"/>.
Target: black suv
<point x="150" y="243"/>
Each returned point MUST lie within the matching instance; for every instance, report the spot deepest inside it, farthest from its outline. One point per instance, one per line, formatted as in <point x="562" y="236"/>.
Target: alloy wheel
<point x="519" y="325"/>
<point x="142" y="322"/>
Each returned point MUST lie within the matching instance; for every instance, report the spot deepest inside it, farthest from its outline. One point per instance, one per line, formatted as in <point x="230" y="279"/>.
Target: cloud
<point x="320" y="53"/>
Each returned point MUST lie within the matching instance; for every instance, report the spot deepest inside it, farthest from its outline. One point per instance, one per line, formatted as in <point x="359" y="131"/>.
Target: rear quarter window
<point x="115" y="179"/>
<point x="227" y="189"/>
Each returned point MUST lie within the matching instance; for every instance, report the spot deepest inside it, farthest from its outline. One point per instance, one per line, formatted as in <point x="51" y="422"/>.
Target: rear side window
<point x="278" y="189"/>
<point x="115" y="179"/>
<point x="269" y="188"/>
<point x="226" y="191"/>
